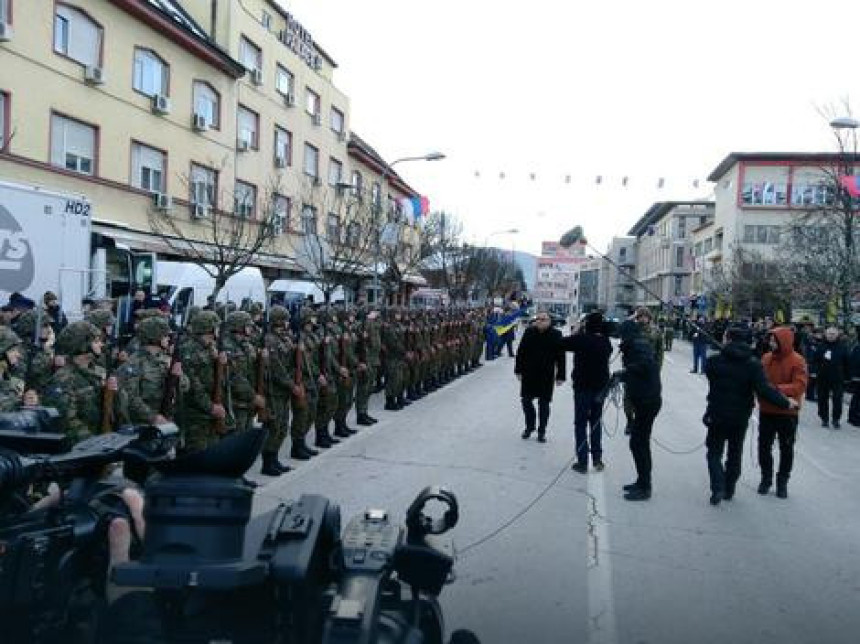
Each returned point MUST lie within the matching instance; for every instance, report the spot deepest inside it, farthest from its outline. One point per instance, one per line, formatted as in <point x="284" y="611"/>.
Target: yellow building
<point x="189" y="106"/>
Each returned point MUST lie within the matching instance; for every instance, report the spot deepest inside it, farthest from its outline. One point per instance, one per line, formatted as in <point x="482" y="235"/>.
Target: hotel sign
<point x="300" y="41"/>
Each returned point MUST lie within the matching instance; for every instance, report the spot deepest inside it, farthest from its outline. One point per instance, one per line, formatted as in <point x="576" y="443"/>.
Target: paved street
<point x="582" y="564"/>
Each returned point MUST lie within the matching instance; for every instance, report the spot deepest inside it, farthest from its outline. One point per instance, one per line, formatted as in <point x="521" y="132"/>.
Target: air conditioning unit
<point x="200" y="211"/>
<point x="290" y="100"/>
<point x="342" y="136"/>
<point x="257" y="77"/>
<point x="5" y="32"/>
<point x="243" y="144"/>
<point x="162" y="202"/>
<point x="160" y="104"/>
<point x="317" y="118"/>
<point x="282" y="35"/>
<point x="199" y="123"/>
<point x="280" y="162"/>
<point x="243" y="210"/>
<point x="94" y="75"/>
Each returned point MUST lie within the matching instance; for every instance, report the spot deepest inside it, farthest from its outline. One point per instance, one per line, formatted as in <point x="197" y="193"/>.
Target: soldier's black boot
<point x="364" y="419"/>
<point x="324" y="439"/>
<point x="766" y="482"/>
<point x="310" y="451"/>
<point x="270" y="464"/>
<point x="341" y="430"/>
<point x="390" y="404"/>
<point x="299" y="451"/>
<point x="782" y="487"/>
<point x="411" y="394"/>
<point x="403" y="401"/>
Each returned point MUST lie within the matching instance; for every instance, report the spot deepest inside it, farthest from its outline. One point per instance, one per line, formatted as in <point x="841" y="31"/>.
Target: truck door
<point x="143" y="272"/>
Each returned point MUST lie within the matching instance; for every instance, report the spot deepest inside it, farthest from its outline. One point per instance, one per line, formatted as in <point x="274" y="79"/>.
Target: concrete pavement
<point x="550" y="555"/>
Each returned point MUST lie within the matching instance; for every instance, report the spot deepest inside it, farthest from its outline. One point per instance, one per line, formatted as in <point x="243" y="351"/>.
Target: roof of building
<point x="802" y="157"/>
<point x="171" y="20"/>
<point x="361" y="148"/>
<point x="658" y="210"/>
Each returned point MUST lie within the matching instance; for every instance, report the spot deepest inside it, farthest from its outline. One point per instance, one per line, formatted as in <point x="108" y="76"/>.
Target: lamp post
<point x="386" y="171"/>
<point x="847" y="157"/>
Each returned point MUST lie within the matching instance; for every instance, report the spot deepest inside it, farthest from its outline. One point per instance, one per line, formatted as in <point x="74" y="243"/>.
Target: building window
<point x="309" y="220"/>
<point x="250" y="55"/>
<point x="148" y="167"/>
<point x="151" y="73"/>
<point x="761" y="235"/>
<point x="376" y="194"/>
<point x="207" y="103"/>
<point x="337" y="123"/>
<point x="284" y="81"/>
<point x="284" y="146"/>
<point x="5" y="14"/>
<point x="357" y="183"/>
<point x="281" y="207"/>
<point x="245" y="200"/>
<point x="679" y="283"/>
<point x="266" y="21"/>
<point x="335" y="171"/>
<point x="812" y="195"/>
<point x="679" y="257"/>
<point x="312" y="104"/>
<point x="353" y="233"/>
<point x="333" y="228"/>
<point x="312" y="161"/>
<point x="76" y="35"/>
<point x="204" y="185"/>
<point x="73" y="145"/>
<point x="249" y="127"/>
<point x="682" y="227"/>
<point x="764" y="194"/>
<point x="4" y="118"/>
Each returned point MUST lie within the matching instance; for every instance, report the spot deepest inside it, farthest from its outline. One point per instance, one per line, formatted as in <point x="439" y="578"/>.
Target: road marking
<point x="601" y="605"/>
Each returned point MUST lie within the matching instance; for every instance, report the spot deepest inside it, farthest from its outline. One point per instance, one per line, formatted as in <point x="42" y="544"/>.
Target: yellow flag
<point x="779" y="318"/>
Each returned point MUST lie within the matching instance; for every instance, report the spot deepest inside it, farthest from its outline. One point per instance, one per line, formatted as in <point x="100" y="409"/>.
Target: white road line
<point x="601" y="604"/>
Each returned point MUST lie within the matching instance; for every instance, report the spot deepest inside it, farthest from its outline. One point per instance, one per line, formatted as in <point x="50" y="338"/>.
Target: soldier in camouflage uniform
<point x="305" y="397"/>
<point x="242" y="397"/>
<point x="345" y="352"/>
<point x="11" y="387"/>
<point x="143" y="378"/>
<point x="77" y="388"/>
<point x="199" y="415"/>
<point x="367" y="332"/>
<point x="104" y="321"/>
<point x="329" y="375"/>
<point x="282" y="388"/>
<point x="394" y="345"/>
<point x="36" y="368"/>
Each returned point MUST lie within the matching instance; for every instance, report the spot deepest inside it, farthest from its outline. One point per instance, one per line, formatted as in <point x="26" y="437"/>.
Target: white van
<point x="186" y="284"/>
<point x="287" y="291"/>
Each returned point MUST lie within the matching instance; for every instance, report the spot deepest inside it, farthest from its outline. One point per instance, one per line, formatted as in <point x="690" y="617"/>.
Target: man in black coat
<point x="734" y="375"/>
<point x="831" y="358"/>
<point x="592" y="350"/>
<point x="539" y="365"/>
<point x="641" y="378"/>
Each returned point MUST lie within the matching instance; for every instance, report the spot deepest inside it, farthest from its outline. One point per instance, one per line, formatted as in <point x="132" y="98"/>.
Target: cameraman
<point x="734" y="375"/>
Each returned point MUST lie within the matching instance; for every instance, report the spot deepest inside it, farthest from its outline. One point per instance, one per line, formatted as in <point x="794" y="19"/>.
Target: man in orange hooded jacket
<point x="786" y="370"/>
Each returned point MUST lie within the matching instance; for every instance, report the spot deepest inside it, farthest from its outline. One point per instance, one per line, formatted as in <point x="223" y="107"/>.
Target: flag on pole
<point x="851" y="184"/>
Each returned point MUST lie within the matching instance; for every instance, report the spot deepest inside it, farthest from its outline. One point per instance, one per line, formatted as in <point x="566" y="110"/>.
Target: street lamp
<point x="430" y="156"/>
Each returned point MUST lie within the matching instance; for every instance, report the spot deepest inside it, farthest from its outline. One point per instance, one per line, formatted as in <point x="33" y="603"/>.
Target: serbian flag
<point x="851" y="184"/>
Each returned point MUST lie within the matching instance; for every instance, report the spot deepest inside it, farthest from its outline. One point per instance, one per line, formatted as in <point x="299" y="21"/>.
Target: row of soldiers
<point x="225" y="370"/>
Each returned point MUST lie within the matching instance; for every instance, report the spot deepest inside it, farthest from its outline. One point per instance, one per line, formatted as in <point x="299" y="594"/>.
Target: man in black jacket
<point x="539" y="362"/>
<point x="641" y="378"/>
<point x="831" y="358"/>
<point x="734" y="375"/>
<point x="592" y="350"/>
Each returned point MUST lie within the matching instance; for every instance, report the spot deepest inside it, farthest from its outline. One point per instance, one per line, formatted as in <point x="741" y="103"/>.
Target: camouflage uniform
<point x="241" y="373"/>
<point x="393" y="342"/>
<point x="36" y="367"/>
<point x="368" y="355"/>
<point x="77" y="390"/>
<point x="281" y="380"/>
<point x="196" y="422"/>
<point x="144" y="377"/>
<point x="11" y="387"/>
<point x="327" y="403"/>
<point x="307" y="373"/>
<point x="347" y="358"/>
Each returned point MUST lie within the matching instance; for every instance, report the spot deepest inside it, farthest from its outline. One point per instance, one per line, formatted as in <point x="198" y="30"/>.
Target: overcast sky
<point x="646" y="90"/>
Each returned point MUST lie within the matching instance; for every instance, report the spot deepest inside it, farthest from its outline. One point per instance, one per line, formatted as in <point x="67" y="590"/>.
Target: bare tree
<point x="222" y="234"/>
<point x="751" y="285"/>
<point x="338" y="232"/>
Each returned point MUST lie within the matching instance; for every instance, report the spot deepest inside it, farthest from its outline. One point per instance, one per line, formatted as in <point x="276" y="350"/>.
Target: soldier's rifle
<point x="171" y="380"/>
<point x="34" y="350"/>
<point x="220" y="377"/>
<point x="300" y="400"/>
<point x="261" y="386"/>
<point x="323" y="367"/>
<point x="347" y="380"/>
<point x="108" y="394"/>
